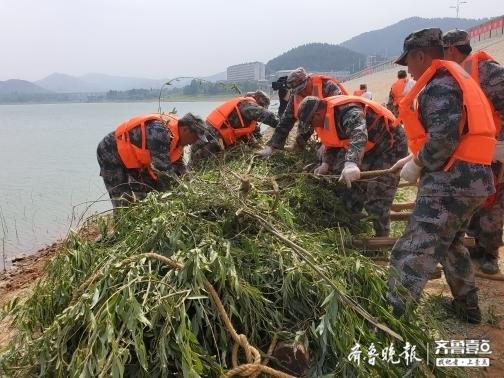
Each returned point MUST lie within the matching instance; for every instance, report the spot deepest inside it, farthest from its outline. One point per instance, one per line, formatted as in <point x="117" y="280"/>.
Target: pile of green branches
<point x="100" y="311"/>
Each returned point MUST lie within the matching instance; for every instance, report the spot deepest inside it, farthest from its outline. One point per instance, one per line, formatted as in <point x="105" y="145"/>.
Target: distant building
<point x="253" y="71"/>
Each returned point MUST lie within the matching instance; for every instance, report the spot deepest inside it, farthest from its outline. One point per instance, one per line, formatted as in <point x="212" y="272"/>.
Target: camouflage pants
<point x="123" y="185"/>
<point x="434" y="234"/>
<point x="486" y="225"/>
<point x="375" y="195"/>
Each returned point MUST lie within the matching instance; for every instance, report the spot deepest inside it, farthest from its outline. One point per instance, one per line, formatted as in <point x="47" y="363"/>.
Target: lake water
<point x="49" y="173"/>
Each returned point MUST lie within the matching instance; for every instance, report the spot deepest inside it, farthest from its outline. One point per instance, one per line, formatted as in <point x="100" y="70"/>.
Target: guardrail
<point x="373" y="69"/>
<point x="487" y="30"/>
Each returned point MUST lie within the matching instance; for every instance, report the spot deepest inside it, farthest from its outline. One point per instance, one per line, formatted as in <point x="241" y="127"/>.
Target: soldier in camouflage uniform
<point x="446" y="199"/>
<point x="249" y="111"/>
<point x="486" y="224"/>
<point x="376" y="195"/>
<point x="299" y="83"/>
<point x="125" y="185"/>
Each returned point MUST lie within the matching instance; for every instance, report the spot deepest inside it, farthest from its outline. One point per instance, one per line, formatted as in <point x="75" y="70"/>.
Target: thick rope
<point x="253" y="367"/>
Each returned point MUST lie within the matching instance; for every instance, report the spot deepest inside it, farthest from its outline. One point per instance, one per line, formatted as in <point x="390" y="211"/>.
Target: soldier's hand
<point x="499" y="151"/>
<point x="411" y="171"/>
<point x="322" y="169"/>
<point x="350" y="173"/>
<point x="400" y="163"/>
<point x="265" y="152"/>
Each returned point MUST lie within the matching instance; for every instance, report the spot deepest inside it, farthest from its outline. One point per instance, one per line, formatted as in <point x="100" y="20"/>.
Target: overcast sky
<point x="160" y="39"/>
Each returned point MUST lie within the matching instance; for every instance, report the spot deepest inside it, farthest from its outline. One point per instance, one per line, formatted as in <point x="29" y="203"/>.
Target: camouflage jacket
<point x="249" y="111"/>
<point x="492" y="84"/>
<point x="351" y="124"/>
<point x="329" y="88"/>
<point x="440" y="112"/>
<point x="390" y="104"/>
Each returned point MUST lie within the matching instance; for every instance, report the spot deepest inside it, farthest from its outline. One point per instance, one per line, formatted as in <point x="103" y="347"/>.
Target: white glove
<point x="411" y="171"/>
<point x="350" y="173"/>
<point x="400" y="163"/>
<point x="265" y="152"/>
<point x="322" y="169"/>
<point x="499" y="151"/>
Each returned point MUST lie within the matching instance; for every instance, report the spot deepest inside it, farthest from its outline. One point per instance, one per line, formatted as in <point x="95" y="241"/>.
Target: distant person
<point x="486" y="224"/>
<point x="235" y="121"/>
<point x="399" y="89"/>
<point x="143" y="154"/>
<point x="354" y="140"/>
<point x="363" y="92"/>
<point x="300" y="84"/>
<point x="283" y="93"/>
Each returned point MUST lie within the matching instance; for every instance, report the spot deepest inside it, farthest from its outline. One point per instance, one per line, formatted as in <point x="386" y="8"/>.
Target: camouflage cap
<point x="196" y="124"/>
<point x="261" y="97"/>
<point x="296" y="81"/>
<point x="307" y="109"/>
<point x="456" y="37"/>
<point x="430" y="37"/>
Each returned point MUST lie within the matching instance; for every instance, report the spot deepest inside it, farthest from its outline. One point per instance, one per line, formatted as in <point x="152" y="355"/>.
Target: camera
<point x="281" y="83"/>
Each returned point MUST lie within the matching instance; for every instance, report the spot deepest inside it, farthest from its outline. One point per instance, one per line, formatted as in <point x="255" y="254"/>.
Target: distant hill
<point x="102" y="82"/>
<point x="389" y="40"/>
<point x="97" y="82"/>
<point x="20" y="87"/>
<point x="62" y="83"/>
<point x="317" y="57"/>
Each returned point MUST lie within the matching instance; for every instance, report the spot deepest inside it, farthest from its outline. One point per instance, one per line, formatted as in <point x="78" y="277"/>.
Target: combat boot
<point x="467" y="308"/>
<point x="489" y="265"/>
<point x="476" y="252"/>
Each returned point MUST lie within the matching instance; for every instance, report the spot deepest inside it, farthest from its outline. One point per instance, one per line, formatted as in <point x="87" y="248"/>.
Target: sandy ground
<point x="491" y="297"/>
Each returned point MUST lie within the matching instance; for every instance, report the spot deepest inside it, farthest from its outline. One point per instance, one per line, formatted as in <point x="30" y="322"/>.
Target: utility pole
<point x="457" y="7"/>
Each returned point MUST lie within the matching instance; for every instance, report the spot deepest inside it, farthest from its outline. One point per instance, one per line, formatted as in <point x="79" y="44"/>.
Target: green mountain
<point x="389" y="40"/>
<point x="317" y="57"/>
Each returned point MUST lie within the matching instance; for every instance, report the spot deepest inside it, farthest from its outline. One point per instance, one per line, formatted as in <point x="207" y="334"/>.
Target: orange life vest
<point x="359" y="92"/>
<point x="317" y="90"/>
<point x="140" y="157"/>
<point x="478" y="144"/>
<point x="219" y="119"/>
<point x="328" y="134"/>
<point x="398" y="90"/>
<point x="471" y="65"/>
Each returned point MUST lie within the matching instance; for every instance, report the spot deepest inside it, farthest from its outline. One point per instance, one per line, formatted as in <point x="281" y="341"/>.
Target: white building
<point x="253" y="71"/>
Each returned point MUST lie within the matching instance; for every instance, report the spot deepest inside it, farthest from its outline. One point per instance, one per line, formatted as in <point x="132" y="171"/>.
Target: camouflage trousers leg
<point x="114" y="173"/>
<point x="379" y="198"/>
<point x="486" y="227"/>
<point x="433" y="234"/>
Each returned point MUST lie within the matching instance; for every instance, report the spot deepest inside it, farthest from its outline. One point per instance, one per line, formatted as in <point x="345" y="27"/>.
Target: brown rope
<point x="253" y="367"/>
